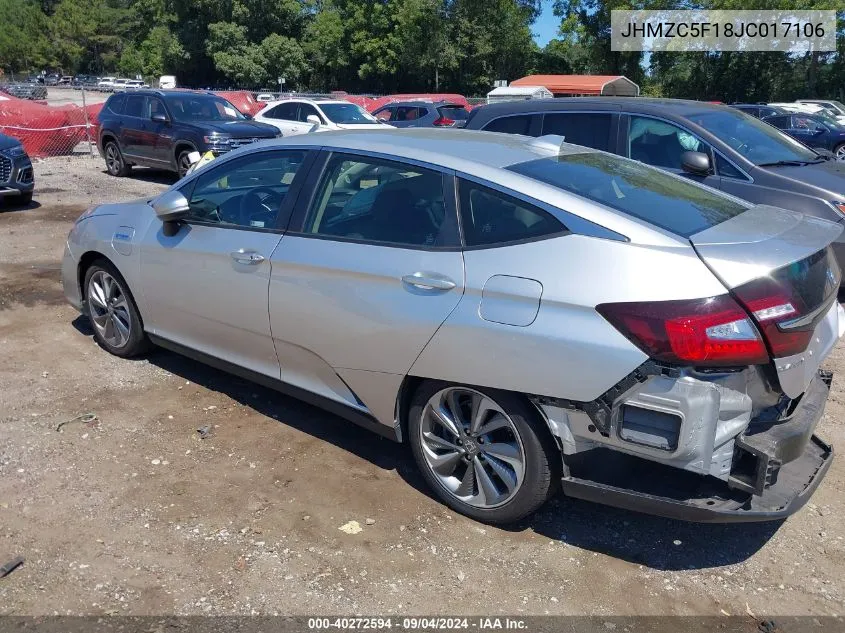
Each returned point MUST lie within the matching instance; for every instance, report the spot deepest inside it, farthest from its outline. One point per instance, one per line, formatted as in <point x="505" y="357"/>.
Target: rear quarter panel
<point x="568" y="350"/>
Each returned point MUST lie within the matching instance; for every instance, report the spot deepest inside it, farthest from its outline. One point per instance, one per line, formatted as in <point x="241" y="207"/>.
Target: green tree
<point x="23" y="42"/>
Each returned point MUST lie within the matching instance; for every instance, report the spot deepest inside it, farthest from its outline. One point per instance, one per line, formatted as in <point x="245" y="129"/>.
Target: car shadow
<point x="10" y="206"/>
<point x="654" y="542"/>
<point x="151" y="175"/>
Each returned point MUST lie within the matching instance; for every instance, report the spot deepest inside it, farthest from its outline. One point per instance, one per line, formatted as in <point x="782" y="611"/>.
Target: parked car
<point x="66" y="80"/>
<point x="523" y="312"/>
<point x="831" y="104"/>
<point x="715" y="145"/>
<point x="167" y="82"/>
<point x="265" y="97"/>
<point x="106" y="84"/>
<point x="300" y="116"/>
<point x="32" y="91"/>
<point x="813" y="131"/>
<point x="119" y="85"/>
<point x="136" y="84"/>
<point x="758" y="110"/>
<point x="423" y="114"/>
<point x="812" y="108"/>
<point x="160" y="128"/>
<point x="51" y="80"/>
<point x="17" y="180"/>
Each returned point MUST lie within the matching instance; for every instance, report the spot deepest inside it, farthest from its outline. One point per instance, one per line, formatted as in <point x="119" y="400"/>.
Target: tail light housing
<point x="443" y="121"/>
<point x="715" y="331"/>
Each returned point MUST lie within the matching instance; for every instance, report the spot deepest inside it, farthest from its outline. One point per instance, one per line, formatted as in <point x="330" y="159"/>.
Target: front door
<point x="369" y="271"/>
<point x="206" y="286"/>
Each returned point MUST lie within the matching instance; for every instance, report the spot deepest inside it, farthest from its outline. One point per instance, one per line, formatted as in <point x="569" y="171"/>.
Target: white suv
<point x="300" y="116"/>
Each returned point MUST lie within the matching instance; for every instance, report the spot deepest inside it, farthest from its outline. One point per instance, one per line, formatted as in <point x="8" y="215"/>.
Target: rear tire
<point x="115" y="163"/>
<point x="112" y="312"/>
<point x="494" y="460"/>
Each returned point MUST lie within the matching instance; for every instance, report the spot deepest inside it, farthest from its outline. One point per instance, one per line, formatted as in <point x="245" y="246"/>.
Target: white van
<point x="518" y="93"/>
<point x="167" y="82"/>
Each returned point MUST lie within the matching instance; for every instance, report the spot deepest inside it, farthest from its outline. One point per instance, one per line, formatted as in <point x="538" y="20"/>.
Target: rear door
<point x="780" y="266"/>
<point x="369" y="270"/>
<point x="134" y="130"/>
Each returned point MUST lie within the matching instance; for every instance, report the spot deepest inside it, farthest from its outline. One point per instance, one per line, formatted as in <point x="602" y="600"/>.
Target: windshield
<point x="347" y="113"/>
<point x="203" y="108"/>
<point x="757" y="141"/>
<point x="650" y="194"/>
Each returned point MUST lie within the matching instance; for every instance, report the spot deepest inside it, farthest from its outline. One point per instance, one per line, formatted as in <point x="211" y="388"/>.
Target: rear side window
<point x="781" y="122"/>
<point x="580" y="128"/>
<point x="490" y="217"/>
<point x="666" y="201"/>
<point x="519" y="124"/>
<point x="116" y="103"/>
<point x="285" y="111"/>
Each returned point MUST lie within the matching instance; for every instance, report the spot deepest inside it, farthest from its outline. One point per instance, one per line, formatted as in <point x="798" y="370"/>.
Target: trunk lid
<point x="779" y="266"/>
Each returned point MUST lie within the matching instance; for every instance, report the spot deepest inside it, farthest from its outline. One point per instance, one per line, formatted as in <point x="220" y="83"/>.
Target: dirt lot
<point x="135" y="514"/>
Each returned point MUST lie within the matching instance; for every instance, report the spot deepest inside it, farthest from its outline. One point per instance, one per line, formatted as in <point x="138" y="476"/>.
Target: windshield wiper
<point x="785" y="163"/>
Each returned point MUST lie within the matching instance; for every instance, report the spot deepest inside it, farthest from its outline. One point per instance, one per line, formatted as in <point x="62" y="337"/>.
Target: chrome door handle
<point x="428" y="282"/>
<point x="247" y="257"/>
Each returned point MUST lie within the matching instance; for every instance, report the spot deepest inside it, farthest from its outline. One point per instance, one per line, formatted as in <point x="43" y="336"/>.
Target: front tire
<point x="183" y="162"/>
<point x="112" y="312"/>
<point x="839" y="151"/>
<point x="486" y="453"/>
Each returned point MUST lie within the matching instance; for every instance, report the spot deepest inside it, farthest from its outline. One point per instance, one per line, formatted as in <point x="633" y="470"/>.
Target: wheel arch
<point x="87" y="259"/>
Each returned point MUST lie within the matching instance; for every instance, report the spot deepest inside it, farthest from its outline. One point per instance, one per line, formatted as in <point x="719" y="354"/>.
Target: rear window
<point x="635" y="189"/>
<point x="456" y="113"/>
<point x="115" y="103"/>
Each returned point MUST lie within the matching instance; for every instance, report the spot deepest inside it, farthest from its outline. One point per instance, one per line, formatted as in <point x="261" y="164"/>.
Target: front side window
<point x="519" y="124"/>
<point x="156" y="106"/>
<point x="306" y="110"/>
<point x="347" y="114"/>
<point x="202" y="108"/>
<point x="490" y="217"/>
<point x="660" y="143"/>
<point x="580" y="128"/>
<point x="807" y="124"/>
<point x="755" y="140"/>
<point x="670" y="202"/>
<point x="381" y="202"/>
<point x="247" y="192"/>
<point x="284" y="111"/>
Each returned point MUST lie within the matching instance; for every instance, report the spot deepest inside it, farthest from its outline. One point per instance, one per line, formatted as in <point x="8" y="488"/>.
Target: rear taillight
<point x="771" y="308"/>
<point x="714" y="331"/>
<point x="443" y="122"/>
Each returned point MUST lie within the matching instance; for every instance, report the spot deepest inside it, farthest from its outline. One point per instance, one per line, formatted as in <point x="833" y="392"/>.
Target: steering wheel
<point x="259" y="201"/>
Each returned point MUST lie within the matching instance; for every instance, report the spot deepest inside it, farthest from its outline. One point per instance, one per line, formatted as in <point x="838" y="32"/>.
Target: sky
<point x="545" y="28"/>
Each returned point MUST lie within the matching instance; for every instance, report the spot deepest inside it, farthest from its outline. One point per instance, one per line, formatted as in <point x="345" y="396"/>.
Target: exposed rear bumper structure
<point x="777" y="466"/>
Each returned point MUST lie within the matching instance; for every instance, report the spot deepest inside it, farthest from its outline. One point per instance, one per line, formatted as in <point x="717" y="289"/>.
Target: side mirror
<point x="313" y="119"/>
<point x="171" y="206"/>
<point x="158" y="117"/>
<point x="695" y="163"/>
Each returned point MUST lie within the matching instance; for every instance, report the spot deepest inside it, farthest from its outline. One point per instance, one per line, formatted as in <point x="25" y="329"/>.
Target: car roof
<point x="417" y="102"/>
<point x="462" y="150"/>
<point x="680" y="107"/>
<point x="307" y="100"/>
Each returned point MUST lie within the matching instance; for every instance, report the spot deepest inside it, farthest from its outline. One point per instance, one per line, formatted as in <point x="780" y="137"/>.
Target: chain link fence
<point x="58" y="116"/>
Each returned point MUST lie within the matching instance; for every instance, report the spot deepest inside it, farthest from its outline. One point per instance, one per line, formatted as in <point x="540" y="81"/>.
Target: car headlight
<point x="217" y="139"/>
<point x="14" y="152"/>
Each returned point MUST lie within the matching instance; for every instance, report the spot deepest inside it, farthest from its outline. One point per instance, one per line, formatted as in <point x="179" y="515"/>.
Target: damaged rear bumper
<point x="777" y="468"/>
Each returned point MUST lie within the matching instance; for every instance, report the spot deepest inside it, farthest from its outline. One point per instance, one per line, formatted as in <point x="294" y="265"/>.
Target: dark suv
<point x="715" y="145"/>
<point x="16" y="178"/>
<point x="160" y="128"/>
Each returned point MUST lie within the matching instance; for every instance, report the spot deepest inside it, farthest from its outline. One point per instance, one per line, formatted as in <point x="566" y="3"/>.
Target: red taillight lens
<point x="704" y="332"/>
<point x="770" y="306"/>
<point x="443" y="122"/>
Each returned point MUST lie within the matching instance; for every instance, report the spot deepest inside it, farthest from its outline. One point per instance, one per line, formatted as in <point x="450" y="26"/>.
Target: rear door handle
<point x="247" y="257"/>
<point x="428" y="281"/>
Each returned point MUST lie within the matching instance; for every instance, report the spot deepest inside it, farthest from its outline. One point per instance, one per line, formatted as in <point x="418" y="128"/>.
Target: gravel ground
<point x="133" y="513"/>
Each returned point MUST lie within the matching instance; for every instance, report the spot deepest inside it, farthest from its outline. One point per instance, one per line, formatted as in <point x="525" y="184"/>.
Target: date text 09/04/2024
<point x="417" y="623"/>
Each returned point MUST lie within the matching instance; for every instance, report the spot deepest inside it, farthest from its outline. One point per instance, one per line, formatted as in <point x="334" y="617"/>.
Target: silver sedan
<point x="528" y="315"/>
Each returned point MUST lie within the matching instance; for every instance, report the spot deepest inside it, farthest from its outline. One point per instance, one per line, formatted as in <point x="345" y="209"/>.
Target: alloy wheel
<point x="109" y="309"/>
<point x="840" y="152"/>
<point x="114" y="162"/>
<point x="472" y="447"/>
<point x="184" y="164"/>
